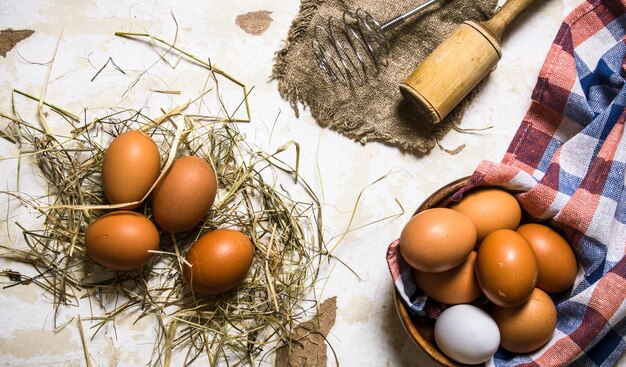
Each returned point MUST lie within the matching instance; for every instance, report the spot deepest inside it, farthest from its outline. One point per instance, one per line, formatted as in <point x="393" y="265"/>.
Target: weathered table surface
<point x="242" y="37"/>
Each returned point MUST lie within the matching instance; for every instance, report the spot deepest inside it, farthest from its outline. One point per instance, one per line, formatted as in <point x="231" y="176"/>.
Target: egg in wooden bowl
<point x="497" y="297"/>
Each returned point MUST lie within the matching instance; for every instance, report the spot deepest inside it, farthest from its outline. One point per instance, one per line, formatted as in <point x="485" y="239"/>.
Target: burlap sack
<point x="374" y="111"/>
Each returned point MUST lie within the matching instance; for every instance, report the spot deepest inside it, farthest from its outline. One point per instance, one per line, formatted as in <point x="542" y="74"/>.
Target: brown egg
<point x="490" y="209"/>
<point x="506" y="268"/>
<point x="130" y="167"/>
<point x="437" y="239"/>
<point x="121" y="240"/>
<point x="220" y="260"/>
<point x="454" y="286"/>
<point x="184" y="195"/>
<point x="526" y="328"/>
<point x="555" y="259"/>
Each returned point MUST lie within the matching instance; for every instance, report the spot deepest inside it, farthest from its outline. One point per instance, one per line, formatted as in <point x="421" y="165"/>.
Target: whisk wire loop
<point x="371" y="35"/>
<point x="350" y="48"/>
<point x="353" y="47"/>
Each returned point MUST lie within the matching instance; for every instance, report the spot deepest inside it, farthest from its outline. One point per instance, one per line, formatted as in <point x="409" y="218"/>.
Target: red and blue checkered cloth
<point x="567" y="164"/>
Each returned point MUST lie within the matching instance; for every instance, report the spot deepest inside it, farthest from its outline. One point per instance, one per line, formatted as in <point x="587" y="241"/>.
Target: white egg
<point x="467" y="334"/>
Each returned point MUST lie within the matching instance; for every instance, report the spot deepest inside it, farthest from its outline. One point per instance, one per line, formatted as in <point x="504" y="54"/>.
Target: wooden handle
<point x="509" y="11"/>
<point x="454" y="68"/>
<point x="460" y="62"/>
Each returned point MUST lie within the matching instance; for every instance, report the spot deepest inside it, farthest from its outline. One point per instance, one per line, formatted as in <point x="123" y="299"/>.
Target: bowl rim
<point x="436" y="198"/>
<point x="429" y="348"/>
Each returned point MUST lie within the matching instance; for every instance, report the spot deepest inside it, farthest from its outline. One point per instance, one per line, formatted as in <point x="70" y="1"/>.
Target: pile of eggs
<point x="477" y="247"/>
<point x="125" y="239"/>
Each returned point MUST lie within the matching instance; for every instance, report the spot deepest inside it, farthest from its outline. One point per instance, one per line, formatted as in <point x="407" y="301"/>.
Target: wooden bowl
<point x="421" y="329"/>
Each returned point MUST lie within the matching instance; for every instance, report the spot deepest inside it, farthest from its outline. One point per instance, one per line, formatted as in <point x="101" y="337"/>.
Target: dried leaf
<point x="308" y="341"/>
<point x="255" y="22"/>
<point x="9" y="38"/>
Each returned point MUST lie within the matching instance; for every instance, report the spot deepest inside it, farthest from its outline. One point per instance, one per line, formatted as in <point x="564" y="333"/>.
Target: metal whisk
<point x="353" y="47"/>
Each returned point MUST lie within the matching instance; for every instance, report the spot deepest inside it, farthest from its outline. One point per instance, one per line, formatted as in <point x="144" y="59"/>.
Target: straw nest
<point x="242" y="326"/>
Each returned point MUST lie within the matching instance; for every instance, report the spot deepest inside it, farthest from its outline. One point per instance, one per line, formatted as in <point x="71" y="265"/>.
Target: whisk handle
<point x="403" y="17"/>
<point x="509" y="11"/>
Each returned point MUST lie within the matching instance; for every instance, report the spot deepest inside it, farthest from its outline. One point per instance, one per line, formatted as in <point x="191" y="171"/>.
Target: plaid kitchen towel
<point x="567" y="165"/>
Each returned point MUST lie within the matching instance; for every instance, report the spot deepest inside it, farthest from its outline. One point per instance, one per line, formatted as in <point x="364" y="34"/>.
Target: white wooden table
<point x="367" y="331"/>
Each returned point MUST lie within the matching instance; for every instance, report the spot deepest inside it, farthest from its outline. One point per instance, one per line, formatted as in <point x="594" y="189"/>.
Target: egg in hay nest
<point x="218" y="261"/>
<point x="183" y="197"/>
<point x="130" y="166"/>
<point x="122" y="240"/>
